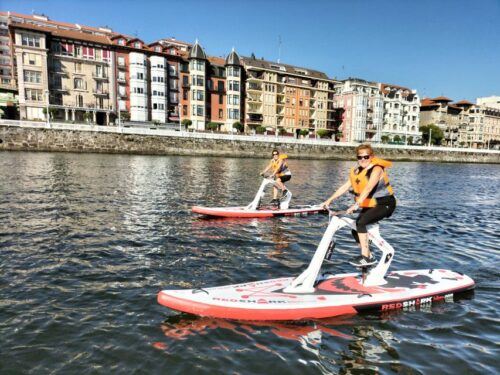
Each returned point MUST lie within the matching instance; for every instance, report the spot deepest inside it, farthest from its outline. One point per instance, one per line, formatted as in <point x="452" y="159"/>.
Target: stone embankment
<point x="144" y="141"/>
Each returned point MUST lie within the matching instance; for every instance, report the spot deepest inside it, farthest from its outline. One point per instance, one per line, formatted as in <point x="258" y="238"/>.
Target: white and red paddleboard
<point x="242" y="212"/>
<point x="336" y="295"/>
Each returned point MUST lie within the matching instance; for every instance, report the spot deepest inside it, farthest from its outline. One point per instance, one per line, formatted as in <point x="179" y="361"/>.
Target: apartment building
<point x="464" y="124"/>
<point x="362" y="105"/>
<point x="401" y="113"/>
<point x="281" y="96"/>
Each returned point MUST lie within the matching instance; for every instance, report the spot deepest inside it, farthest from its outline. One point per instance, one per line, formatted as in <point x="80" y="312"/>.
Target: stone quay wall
<point x="128" y="141"/>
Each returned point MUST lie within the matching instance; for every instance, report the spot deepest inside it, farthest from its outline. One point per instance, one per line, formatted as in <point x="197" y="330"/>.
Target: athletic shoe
<point x="362" y="261"/>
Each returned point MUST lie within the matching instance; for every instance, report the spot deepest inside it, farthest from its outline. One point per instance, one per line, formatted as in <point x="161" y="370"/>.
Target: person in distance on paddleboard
<point x="372" y="193"/>
<point x="280" y="172"/>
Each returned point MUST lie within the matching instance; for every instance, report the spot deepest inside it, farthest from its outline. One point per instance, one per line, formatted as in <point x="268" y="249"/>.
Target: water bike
<point x="255" y="209"/>
<point x="315" y="294"/>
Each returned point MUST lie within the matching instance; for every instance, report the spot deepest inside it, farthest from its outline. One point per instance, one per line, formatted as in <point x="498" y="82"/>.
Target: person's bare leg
<point x="363" y="243"/>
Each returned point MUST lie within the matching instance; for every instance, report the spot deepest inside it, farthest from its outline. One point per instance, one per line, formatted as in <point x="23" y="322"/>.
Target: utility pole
<point x="430" y="136"/>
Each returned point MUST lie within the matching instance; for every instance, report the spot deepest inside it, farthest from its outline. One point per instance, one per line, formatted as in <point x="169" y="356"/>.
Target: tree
<point x="213" y="126"/>
<point x="87" y="116"/>
<point x="436" y="134"/>
<point x="238" y="126"/>
<point x="384" y="138"/>
<point x="260" y="129"/>
<point x="252" y="56"/>
<point x="125" y="116"/>
<point x="281" y="131"/>
<point x="186" y="123"/>
<point x="304" y="132"/>
<point x="324" y="133"/>
<point x="397" y="138"/>
<point x="410" y="140"/>
<point x="52" y="112"/>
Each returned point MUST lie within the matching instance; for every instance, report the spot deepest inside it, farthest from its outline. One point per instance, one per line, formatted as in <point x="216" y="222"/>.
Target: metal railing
<point x="146" y="130"/>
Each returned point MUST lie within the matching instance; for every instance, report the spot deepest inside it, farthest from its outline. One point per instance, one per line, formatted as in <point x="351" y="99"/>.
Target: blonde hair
<point x="364" y="146"/>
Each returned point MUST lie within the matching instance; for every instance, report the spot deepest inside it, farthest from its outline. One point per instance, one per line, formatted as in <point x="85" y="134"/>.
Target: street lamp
<point x="47" y="108"/>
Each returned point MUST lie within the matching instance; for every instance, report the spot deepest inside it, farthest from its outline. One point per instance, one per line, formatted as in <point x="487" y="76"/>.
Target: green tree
<point x="124" y="116"/>
<point x="213" y="126"/>
<point x="304" y="132"/>
<point x="436" y="134"/>
<point x="410" y="140"/>
<point x="186" y="123"/>
<point x="281" y="131"/>
<point x="324" y="133"/>
<point x="260" y="129"/>
<point x="397" y="138"/>
<point x="87" y="116"/>
<point x="238" y="126"/>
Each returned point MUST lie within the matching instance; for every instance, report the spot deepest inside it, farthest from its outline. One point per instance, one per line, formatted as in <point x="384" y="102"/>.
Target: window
<point x="33" y="95"/>
<point x="198" y="95"/>
<point x="78" y="67"/>
<point x="233" y="114"/>
<point x="30" y="40"/>
<point x="121" y="61"/>
<point x="79" y="100"/>
<point x="234" y="86"/>
<point x="79" y="84"/>
<point x="221" y="113"/>
<point x="185" y="80"/>
<point x="32" y="76"/>
<point x="233" y="71"/>
<point x="138" y="90"/>
<point x="32" y="59"/>
<point x="137" y="45"/>
<point x="198" y="110"/>
<point x="121" y="42"/>
<point x="185" y="95"/>
<point x="220" y="86"/>
<point x="184" y="110"/>
<point x="197" y="65"/>
<point x="197" y="80"/>
<point x="221" y="99"/>
<point x="78" y="51"/>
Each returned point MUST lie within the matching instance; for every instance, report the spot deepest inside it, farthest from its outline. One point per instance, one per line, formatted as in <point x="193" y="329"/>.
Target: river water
<point x="87" y="241"/>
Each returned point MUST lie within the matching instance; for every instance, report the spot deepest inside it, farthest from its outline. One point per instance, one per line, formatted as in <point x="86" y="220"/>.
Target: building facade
<point x="280" y="96"/>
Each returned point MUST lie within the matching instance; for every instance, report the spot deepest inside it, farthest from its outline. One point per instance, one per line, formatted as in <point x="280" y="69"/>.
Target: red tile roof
<point x="442" y="99"/>
<point x="464" y="103"/>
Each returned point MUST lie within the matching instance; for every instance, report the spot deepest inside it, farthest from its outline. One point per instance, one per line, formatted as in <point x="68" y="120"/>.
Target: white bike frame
<point x="260" y="194"/>
<point x="305" y="282"/>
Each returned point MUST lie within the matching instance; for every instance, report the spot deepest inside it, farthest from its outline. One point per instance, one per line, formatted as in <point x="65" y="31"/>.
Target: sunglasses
<point x="275" y="154"/>
<point x="365" y="157"/>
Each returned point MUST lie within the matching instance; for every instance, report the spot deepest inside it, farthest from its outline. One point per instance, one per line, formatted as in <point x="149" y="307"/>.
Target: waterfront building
<point x="281" y="96"/>
<point x="401" y="113"/>
<point x="362" y="105"/>
<point x="464" y="124"/>
<point x="489" y="101"/>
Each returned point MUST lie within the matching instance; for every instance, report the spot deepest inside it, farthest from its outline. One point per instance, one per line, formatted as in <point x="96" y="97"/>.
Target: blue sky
<point x="438" y="47"/>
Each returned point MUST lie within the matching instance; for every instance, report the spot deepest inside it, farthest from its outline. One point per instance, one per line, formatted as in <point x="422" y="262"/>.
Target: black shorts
<point x="285" y="177"/>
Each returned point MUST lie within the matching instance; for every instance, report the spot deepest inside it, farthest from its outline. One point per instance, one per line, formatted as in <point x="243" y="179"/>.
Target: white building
<point x="198" y="92"/>
<point x="138" y="86"/>
<point x="159" y="92"/>
<point x="401" y="113"/>
<point x="233" y="81"/>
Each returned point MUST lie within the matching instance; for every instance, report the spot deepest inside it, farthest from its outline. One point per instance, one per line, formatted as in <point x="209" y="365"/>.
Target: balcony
<point x="100" y="92"/>
<point x="254" y="87"/>
<point x="99" y="77"/>
<point x="121" y="80"/>
<point x="122" y="95"/>
<point x="254" y="117"/>
<point x="60" y="88"/>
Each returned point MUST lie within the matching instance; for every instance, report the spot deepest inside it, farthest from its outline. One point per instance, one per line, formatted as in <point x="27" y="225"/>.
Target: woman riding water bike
<point x="280" y="172"/>
<point x="372" y="193"/>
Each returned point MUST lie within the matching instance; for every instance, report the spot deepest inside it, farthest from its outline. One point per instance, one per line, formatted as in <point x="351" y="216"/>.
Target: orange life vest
<point x="359" y="180"/>
<point x="284" y="167"/>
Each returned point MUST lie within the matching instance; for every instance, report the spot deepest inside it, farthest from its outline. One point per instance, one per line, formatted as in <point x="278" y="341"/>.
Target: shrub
<point x="324" y="133"/>
<point x="238" y="126"/>
<point x="260" y="129"/>
<point x="281" y="131"/>
<point x="213" y="126"/>
<point x="384" y="138"/>
<point x="304" y="132"/>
